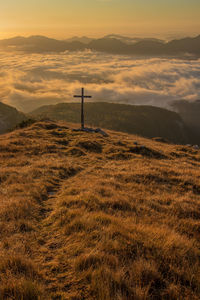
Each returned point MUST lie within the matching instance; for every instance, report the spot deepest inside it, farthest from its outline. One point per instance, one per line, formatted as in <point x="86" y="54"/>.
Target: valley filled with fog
<point x="28" y="81"/>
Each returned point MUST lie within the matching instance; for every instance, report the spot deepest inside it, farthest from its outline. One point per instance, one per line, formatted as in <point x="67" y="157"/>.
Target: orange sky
<point x="64" y="18"/>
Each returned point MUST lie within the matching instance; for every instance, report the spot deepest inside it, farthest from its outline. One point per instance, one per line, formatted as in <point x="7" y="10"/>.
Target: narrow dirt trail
<point x="50" y="244"/>
<point x="49" y="241"/>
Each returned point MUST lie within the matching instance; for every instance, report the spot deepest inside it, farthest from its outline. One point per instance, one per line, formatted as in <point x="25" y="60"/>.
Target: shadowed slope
<point x="190" y="112"/>
<point x="89" y="217"/>
<point x="148" y="121"/>
<point x="9" y="117"/>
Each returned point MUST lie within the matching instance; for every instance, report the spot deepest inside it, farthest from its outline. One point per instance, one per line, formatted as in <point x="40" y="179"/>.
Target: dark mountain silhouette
<point x="33" y="44"/>
<point x="109" y="45"/>
<point x="40" y="44"/>
<point x="82" y="39"/>
<point x="112" y="44"/>
<point x="180" y="127"/>
<point x="188" y="45"/>
<point x="9" y="117"/>
<point x="190" y="113"/>
<point x="147" y="121"/>
<point x="148" y="48"/>
<point x="129" y="40"/>
<point x="124" y="39"/>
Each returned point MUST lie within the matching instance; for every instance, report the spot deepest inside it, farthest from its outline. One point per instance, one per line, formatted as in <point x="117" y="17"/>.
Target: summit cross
<point x="82" y="96"/>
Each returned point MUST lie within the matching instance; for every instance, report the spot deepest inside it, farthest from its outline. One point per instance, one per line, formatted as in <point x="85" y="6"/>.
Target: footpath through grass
<point x="89" y="217"/>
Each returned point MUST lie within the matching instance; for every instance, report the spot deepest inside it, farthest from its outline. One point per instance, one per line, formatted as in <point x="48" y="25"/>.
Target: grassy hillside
<point x="84" y="216"/>
<point x="147" y="121"/>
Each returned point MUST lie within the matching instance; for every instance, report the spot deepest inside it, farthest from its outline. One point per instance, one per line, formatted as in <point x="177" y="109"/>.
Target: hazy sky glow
<point x="64" y="18"/>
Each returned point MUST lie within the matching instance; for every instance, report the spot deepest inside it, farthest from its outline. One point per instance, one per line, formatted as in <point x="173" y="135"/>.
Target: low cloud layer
<point x="28" y="81"/>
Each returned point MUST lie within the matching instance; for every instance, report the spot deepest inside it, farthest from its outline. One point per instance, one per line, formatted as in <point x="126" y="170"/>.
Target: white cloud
<point x="30" y="80"/>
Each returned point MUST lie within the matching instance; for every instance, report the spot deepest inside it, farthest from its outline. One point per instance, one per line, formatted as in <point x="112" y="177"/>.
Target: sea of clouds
<point x="28" y="81"/>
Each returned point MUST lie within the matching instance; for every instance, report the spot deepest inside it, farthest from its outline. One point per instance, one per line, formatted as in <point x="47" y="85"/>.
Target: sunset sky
<point x="65" y="18"/>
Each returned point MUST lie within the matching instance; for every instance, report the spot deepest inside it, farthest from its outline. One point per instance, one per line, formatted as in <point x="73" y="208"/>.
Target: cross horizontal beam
<point x="76" y="96"/>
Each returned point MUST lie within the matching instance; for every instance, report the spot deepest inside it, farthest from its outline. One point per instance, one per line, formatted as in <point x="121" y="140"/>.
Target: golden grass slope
<point x="89" y="217"/>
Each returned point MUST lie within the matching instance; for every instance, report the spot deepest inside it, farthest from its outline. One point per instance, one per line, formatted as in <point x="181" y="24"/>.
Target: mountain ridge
<point x="147" y="121"/>
<point x="111" y="44"/>
<point x="143" y="120"/>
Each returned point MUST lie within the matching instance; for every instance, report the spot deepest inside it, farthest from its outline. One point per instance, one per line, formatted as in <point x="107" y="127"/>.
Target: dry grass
<point x="88" y="217"/>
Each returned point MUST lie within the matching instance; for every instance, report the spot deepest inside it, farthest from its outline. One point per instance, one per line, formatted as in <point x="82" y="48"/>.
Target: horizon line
<point x="98" y="36"/>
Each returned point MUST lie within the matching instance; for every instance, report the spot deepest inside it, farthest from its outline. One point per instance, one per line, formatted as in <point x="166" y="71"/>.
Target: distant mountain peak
<point x="112" y="43"/>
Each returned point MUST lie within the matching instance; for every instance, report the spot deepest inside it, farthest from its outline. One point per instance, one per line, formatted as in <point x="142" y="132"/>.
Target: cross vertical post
<point x="82" y="109"/>
<point x="82" y="96"/>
